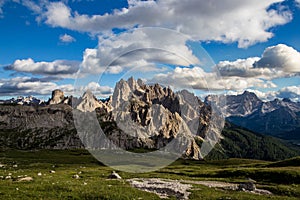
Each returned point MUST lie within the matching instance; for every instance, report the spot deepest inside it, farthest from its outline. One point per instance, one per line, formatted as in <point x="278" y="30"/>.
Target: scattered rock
<point x="52" y="172"/>
<point x="8" y="177"/>
<point x="25" y="179"/>
<point x="262" y="192"/>
<point x="163" y="188"/>
<point x="1" y="165"/>
<point x="39" y="174"/>
<point x="15" y="166"/>
<point x="248" y="186"/>
<point x="114" y="175"/>
<point x="76" y="176"/>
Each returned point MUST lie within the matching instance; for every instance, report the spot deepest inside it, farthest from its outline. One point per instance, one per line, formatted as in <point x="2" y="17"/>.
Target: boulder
<point x="25" y="179"/>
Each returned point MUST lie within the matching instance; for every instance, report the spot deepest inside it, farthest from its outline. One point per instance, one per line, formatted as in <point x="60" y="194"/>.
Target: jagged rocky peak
<point x="57" y="97"/>
<point x="159" y="113"/>
<point x="243" y="104"/>
<point x="88" y="102"/>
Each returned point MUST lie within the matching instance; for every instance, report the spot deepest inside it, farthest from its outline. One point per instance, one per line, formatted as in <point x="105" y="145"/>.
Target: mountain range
<point x="141" y="116"/>
<point x="278" y="118"/>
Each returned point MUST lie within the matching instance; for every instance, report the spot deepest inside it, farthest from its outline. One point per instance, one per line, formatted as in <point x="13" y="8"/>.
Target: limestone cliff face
<point x="136" y="116"/>
<point x="57" y="97"/>
<point x="157" y="115"/>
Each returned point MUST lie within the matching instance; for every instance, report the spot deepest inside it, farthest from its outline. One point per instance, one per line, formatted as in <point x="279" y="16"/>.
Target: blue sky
<point x="228" y="46"/>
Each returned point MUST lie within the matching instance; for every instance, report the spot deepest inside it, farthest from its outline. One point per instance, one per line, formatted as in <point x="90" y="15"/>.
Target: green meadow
<point x="281" y="178"/>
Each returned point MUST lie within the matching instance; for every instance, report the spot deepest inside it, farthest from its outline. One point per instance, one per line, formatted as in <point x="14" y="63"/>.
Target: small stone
<point x="76" y="176"/>
<point x="39" y="174"/>
<point x="8" y="177"/>
<point x="114" y="175"/>
<point x="15" y="166"/>
<point x="25" y="179"/>
<point x="52" y="172"/>
<point x="84" y="183"/>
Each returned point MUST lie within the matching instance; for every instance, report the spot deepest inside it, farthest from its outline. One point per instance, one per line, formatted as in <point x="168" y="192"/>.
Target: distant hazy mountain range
<point x="279" y="118"/>
<point x="155" y="115"/>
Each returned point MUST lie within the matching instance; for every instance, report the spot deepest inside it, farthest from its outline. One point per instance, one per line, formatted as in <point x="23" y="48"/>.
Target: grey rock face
<point x="280" y="118"/>
<point x="136" y="116"/>
<point x="57" y="97"/>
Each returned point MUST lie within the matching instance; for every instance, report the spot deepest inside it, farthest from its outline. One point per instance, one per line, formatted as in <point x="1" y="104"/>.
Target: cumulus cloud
<point x="276" y="62"/>
<point x="280" y="57"/>
<point x="291" y="92"/>
<point x="197" y="78"/>
<point x="246" y="22"/>
<point x="66" y="38"/>
<point x="138" y="48"/>
<point x="29" y="86"/>
<point x="59" y="68"/>
<point x="98" y="90"/>
<point x="34" y="86"/>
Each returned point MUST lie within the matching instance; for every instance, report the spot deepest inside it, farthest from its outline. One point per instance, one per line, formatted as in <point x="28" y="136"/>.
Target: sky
<point x="207" y="46"/>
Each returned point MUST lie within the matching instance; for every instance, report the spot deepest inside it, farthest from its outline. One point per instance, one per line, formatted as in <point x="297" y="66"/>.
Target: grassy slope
<point x="242" y="143"/>
<point x="270" y="175"/>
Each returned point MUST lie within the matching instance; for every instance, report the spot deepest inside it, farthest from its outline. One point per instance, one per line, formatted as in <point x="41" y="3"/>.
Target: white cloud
<point x="66" y="38"/>
<point x="196" y="78"/>
<point x="33" y="86"/>
<point x="99" y="90"/>
<point x="29" y="86"/>
<point x="246" y="22"/>
<point x="59" y="68"/>
<point x="292" y="92"/>
<point x="280" y="57"/>
<point x="276" y="62"/>
<point x="139" y="48"/>
<point x="31" y="5"/>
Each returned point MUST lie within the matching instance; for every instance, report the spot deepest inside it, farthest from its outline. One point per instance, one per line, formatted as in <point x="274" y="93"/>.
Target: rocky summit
<point x="136" y="116"/>
<point x="148" y="116"/>
<point x="141" y="116"/>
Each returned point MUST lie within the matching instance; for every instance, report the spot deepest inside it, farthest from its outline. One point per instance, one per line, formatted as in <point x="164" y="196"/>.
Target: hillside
<point x="241" y="143"/>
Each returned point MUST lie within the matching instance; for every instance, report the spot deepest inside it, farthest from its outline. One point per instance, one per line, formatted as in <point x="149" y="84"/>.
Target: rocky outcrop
<point x="136" y="116"/>
<point x="88" y="102"/>
<point x="43" y="127"/>
<point x="57" y="97"/>
<point x="159" y="114"/>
